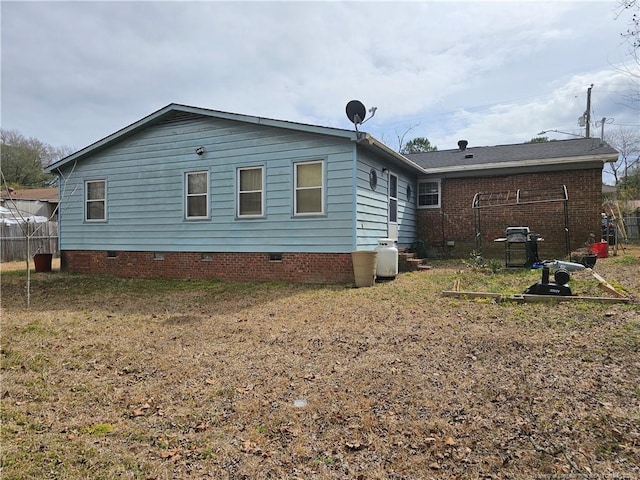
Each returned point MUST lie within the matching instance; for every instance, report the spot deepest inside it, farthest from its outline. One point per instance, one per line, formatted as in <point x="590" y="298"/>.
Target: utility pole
<point x="587" y="114"/>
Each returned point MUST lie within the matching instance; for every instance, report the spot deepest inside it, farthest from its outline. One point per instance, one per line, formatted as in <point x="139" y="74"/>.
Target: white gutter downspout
<point x="354" y="183"/>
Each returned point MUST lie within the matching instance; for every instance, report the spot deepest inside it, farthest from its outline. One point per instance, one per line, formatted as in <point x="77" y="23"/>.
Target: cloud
<point x="495" y="72"/>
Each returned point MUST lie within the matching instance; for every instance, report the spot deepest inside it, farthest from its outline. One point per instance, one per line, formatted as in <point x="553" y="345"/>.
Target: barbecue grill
<point x="516" y="234"/>
<point x="520" y="247"/>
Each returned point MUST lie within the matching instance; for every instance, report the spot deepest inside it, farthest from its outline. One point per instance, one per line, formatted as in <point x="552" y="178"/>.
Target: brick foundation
<point x="294" y="267"/>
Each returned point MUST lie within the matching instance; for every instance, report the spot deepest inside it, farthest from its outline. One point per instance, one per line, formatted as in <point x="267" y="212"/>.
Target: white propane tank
<point x="387" y="266"/>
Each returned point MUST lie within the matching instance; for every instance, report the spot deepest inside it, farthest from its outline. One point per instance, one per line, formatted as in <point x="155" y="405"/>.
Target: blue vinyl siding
<point x="145" y="190"/>
<point x="372" y="208"/>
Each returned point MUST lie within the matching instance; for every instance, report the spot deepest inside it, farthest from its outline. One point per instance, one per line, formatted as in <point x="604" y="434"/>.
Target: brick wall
<point x="455" y="220"/>
<point x="295" y="267"/>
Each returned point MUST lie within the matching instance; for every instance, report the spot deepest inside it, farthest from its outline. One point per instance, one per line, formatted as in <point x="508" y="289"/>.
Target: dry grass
<point x="112" y="378"/>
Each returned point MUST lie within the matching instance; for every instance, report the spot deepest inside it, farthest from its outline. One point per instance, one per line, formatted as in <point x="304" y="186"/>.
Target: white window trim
<point x="86" y="200"/>
<point x="262" y="189"/>
<point x="391" y="174"/>
<point x="434" y="180"/>
<point x="186" y="195"/>
<point x="295" y="189"/>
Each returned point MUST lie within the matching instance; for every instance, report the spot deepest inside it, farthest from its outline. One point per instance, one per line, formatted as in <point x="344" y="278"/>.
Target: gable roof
<point x="175" y="111"/>
<point x="516" y="155"/>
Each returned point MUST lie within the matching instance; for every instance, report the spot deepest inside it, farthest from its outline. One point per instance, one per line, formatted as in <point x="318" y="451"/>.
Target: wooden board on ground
<point x="605" y="285"/>
<point x="533" y="298"/>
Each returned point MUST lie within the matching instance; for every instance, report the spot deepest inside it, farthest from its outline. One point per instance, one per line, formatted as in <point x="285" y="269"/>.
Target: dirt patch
<point x="106" y="378"/>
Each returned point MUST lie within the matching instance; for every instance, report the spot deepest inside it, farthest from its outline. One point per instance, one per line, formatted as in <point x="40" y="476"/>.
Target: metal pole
<point x="588" y="112"/>
<point x="28" y="240"/>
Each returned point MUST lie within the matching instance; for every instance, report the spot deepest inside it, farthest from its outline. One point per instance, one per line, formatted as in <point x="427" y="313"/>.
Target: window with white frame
<point x="197" y="195"/>
<point x="309" y="188"/>
<point x="95" y="200"/>
<point x="429" y="194"/>
<point x="250" y="192"/>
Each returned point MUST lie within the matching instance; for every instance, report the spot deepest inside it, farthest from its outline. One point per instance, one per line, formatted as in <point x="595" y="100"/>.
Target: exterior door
<point x="392" y="230"/>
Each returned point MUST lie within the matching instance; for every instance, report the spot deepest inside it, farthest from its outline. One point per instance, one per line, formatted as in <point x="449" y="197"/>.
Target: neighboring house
<point x="189" y="192"/>
<point x="195" y="193"/>
<point x="470" y="195"/>
<point x="27" y="202"/>
<point x="27" y="213"/>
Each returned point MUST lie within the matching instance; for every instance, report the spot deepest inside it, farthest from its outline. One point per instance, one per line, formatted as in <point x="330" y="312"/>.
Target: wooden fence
<point x="43" y="238"/>
<point x="632" y="228"/>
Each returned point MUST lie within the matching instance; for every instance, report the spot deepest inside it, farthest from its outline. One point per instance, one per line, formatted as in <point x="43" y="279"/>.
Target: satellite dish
<point x="356" y="112"/>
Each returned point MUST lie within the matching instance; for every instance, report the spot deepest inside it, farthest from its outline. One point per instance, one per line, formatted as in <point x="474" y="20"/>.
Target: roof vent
<point x="462" y="145"/>
<point x="469" y="155"/>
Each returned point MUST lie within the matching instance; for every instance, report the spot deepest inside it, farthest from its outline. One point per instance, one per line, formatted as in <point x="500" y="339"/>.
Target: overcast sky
<point x="489" y="72"/>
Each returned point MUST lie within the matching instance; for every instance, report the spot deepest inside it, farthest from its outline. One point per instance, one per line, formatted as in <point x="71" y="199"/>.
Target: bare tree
<point x="632" y="34"/>
<point x="632" y="37"/>
<point x="400" y="138"/>
<point x="37" y="155"/>
<point x="627" y="142"/>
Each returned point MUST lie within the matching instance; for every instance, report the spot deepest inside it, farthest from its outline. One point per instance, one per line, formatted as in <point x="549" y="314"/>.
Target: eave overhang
<point x="370" y="143"/>
<point x="521" y="164"/>
<point x="160" y="114"/>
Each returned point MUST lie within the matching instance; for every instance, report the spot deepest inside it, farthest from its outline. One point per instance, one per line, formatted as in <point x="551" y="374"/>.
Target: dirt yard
<point x="111" y="378"/>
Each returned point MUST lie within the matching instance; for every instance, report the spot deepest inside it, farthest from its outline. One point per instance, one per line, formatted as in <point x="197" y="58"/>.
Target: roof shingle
<point x="513" y="153"/>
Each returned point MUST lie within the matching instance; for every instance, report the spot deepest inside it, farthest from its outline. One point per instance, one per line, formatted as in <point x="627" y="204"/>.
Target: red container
<point x="601" y="249"/>
<point x="42" y="262"/>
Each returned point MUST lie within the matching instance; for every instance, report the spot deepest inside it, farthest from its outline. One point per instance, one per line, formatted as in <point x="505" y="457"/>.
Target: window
<point x="429" y="194"/>
<point x="250" y="193"/>
<point x="197" y="193"/>
<point x="309" y="188"/>
<point x="393" y="198"/>
<point x="95" y="200"/>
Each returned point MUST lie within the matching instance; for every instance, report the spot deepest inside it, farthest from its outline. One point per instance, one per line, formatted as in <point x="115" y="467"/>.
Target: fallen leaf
<point x="253" y="448"/>
<point x="169" y="453"/>
<point x="246" y="389"/>
<point x="450" y="441"/>
<point x="355" y="446"/>
<point x="141" y="410"/>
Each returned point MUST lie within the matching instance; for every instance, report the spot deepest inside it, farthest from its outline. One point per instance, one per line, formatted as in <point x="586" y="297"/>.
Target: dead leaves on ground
<point x="248" y="446"/>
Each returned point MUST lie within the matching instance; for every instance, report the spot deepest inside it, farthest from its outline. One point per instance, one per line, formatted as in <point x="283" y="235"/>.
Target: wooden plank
<point x="462" y="294"/>
<point x="571" y="298"/>
<point x="533" y="298"/>
<point x="606" y="285"/>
